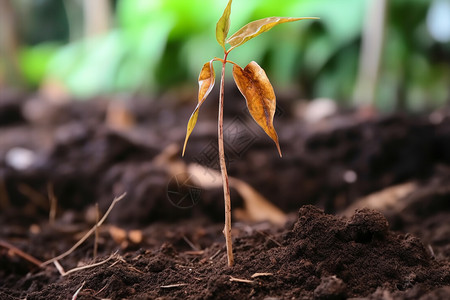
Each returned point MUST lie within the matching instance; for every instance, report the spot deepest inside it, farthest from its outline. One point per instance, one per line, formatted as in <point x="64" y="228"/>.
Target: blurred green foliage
<point x="160" y="44"/>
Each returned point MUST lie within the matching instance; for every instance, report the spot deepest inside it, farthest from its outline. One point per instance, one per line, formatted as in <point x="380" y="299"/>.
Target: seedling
<point x="254" y="85"/>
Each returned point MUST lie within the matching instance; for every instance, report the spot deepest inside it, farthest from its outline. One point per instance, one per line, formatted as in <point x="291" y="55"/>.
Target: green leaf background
<point x="160" y="44"/>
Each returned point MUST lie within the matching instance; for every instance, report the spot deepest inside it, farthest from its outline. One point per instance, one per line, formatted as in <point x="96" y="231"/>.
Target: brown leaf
<point x="206" y="81"/>
<point x="255" y="28"/>
<point x="391" y="199"/>
<point x="256" y="207"/>
<point x="258" y="92"/>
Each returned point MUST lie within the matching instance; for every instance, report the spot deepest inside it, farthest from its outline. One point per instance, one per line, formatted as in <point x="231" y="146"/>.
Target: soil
<point x="367" y="203"/>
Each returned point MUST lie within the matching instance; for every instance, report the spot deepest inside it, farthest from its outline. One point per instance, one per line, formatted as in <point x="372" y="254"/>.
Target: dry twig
<point x="170" y="286"/>
<point x="190" y="243"/>
<point x="89" y="266"/>
<point x="101" y="290"/>
<point x="198" y="252"/>
<point x="117" y="199"/>
<point x="261" y="274"/>
<point x="215" y="254"/>
<point x="74" y="297"/>
<point x="20" y="253"/>
<point x="234" y="279"/>
<point x="59" y="267"/>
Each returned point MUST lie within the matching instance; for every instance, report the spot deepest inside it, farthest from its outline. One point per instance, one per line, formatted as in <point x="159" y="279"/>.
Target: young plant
<point x="254" y="85"/>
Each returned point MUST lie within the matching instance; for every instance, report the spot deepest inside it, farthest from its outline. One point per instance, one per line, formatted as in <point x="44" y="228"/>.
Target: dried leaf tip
<point x="279" y="150"/>
<point x="223" y="25"/>
<point x="206" y="81"/>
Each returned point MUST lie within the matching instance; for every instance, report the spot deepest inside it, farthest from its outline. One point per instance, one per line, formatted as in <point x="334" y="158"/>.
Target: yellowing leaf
<point x="257" y="27"/>
<point x="223" y="25"/>
<point x="258" y="92"/>
<point x="206" y="81"/>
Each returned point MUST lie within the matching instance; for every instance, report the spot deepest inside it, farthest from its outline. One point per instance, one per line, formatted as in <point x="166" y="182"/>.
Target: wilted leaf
<point x="257" y="27"/>
<point x="256" y="207"/>
<point x="391" y="199"/>
<point x="223" y="25"/>
<point x="258" y="92"/>
<point x="206" y="81"/>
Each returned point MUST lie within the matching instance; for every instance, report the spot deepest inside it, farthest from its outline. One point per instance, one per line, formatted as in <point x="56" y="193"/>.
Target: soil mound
<point x="322" y="257"/>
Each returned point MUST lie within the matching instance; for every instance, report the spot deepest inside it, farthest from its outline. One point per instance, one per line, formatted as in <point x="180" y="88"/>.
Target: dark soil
<point x="84" y="155"/>
<point x="323" y="257"/>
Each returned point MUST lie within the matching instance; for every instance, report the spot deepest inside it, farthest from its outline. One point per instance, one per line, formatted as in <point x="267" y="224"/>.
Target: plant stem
<point x="223" y="170"/>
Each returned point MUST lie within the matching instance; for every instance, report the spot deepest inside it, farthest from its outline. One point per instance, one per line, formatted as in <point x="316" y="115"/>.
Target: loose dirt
<point x="155" y="247"/>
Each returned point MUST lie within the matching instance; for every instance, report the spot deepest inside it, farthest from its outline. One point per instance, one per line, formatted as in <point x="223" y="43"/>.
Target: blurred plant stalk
<point x="9" y="45"/>
<point x="97" y="17"/>
<point x="373" y="38"/>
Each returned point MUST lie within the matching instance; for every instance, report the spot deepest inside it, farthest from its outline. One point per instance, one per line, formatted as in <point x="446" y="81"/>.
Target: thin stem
<point x="228" y="61"/>
<point x="20" y="253"/>
<point x="223" y="170"/>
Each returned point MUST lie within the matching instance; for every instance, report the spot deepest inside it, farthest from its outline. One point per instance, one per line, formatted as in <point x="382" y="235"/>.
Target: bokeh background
<point x="390" y="54"/>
